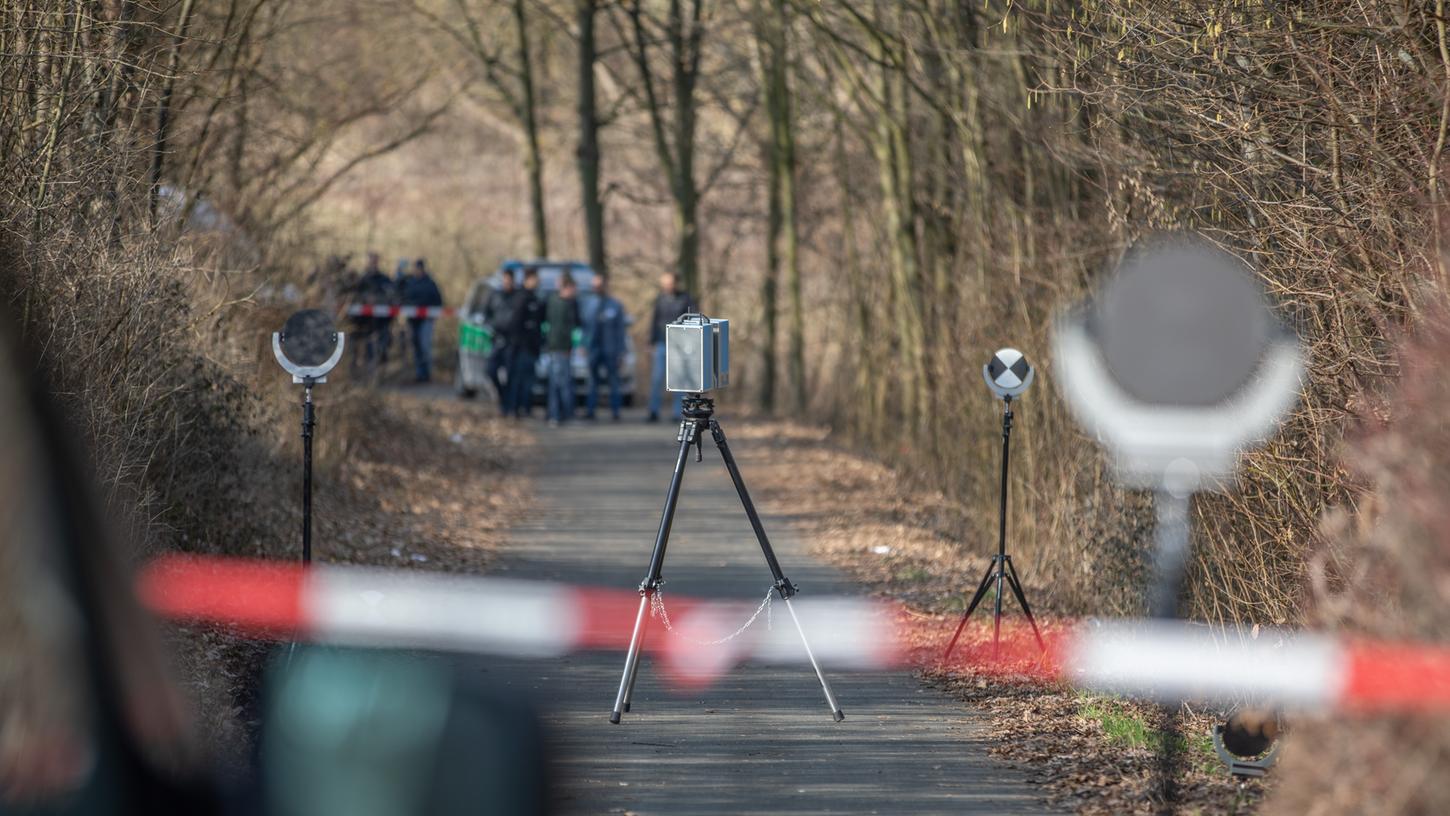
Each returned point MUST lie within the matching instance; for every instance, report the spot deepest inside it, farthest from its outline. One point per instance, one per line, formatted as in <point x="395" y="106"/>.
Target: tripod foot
<point x="838" y="715"/>
<point x="614" y="717"/>
<point x="626" y="708"/>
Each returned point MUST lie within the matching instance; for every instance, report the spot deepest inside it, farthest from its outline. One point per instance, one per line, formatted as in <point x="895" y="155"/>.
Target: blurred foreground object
<point x="1176" y="366"/>
<point x="1248" y="742"/>
<point x="90" y="721"/>
<point x="368" y="733"/>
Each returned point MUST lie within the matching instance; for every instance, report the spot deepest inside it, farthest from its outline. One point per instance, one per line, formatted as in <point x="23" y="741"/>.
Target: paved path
<point x="761" y="740"/>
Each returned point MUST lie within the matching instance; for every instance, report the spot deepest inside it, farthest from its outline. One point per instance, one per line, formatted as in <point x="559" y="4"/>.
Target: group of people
<point x="525" y="325"/>
<point x="410" y="285"/>
<point x="518" y="316"/>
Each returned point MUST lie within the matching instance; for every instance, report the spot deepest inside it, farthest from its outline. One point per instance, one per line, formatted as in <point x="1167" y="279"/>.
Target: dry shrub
<point x="1384" y="571"/>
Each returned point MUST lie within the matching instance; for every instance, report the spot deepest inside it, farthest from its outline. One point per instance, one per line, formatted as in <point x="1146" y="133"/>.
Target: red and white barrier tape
<point x="1160" y="660"/>
<point x="364" y="310"/>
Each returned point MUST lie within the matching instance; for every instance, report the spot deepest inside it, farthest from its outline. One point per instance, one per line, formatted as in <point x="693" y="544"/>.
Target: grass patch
<point x="1133" y="726"/>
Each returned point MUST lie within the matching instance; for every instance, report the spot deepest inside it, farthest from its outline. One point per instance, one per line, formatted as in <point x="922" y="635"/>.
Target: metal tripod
<point x="699" y="417"/>
<point x="1000" y="571"/>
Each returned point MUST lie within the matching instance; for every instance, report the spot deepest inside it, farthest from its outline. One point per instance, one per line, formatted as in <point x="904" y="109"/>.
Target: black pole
<point x="309" y="420"/>
<point x="1172" y="532"/>
<point x="1006" y="444"/>
<point x="1002" y="526"/>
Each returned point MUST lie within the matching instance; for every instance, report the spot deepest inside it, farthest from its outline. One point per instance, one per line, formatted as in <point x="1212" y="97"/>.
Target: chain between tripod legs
<point x="699" y="417"/>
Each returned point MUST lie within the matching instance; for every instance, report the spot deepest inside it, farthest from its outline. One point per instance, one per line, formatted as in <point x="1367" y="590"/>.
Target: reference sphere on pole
<point x="1008" y="373"/>
<point x="308" y="347"/>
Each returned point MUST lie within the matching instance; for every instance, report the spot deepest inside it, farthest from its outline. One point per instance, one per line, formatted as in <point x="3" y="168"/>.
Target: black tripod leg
<point x="749" y="505"/>
<point x="782" y="585"/>
<point x="971" y="607"/>
<point x="652" y="578"/>
<point x="1016" y="584"/>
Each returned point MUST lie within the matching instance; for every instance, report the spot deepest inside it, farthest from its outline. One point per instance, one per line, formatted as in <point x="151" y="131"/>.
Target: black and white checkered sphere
<point x="1008" y="373"/>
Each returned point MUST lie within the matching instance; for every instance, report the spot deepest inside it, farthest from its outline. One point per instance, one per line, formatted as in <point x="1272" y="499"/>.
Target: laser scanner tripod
<point x="699" y="417"/>
<point x="1000" y="571"/>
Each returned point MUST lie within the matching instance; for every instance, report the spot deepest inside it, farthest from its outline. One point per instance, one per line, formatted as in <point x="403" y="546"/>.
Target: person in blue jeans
<point x="421" y="290"/>
<point x="562" y="316"/>
<point x="605" y="325"/>
<point x="670" y="304"/>
<point x="525" y="339"/>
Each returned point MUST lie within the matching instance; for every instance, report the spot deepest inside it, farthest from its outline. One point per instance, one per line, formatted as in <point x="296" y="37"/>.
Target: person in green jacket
<point x="562" y="315"/>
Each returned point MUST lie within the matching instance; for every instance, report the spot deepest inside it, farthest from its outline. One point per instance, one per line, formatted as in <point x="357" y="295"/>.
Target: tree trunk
<point x="685" y="53"/>
<point x="677" y="160"/>
<point x="766" y="47"/>
<point x="894" y="165"/>
<point x="588" y="153"/>
<point x="533" y="162"/>
<point x="783" y="167"/>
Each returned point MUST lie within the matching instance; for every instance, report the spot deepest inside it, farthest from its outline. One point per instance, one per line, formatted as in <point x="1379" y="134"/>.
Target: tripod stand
<point x="699" y="417"/>
<point x="1000" y="571"/>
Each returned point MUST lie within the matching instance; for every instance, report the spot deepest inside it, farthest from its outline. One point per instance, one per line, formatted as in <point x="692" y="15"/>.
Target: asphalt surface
<point x="761" y="740"/>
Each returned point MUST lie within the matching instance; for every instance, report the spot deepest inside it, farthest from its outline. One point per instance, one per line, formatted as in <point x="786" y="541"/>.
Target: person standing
<point x="670" y="304"/>
<point x="605" y="324"/>
<point x="524" y="337"/>
<point x="562" y="315"/>
<point x="380" y="290"/>
<point x="374" y="288"/>
<point x="420" y="290"/>
<point x="496" y="314"/>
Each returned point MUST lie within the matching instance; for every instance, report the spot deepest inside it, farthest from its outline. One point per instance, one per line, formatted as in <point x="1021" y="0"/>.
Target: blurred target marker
<point x="1177" y="366"/>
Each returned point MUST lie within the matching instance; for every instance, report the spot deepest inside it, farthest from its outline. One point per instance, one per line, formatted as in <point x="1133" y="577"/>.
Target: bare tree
<point x="680" y="35"/>
<point x="510" y="74"/>
<point x="588" y="156"/>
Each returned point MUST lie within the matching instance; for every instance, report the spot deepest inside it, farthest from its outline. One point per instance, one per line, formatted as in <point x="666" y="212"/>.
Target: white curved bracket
<point x="302" y="374"/>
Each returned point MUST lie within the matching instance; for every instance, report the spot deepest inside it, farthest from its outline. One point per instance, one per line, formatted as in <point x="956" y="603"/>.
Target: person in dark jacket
<point x="421" y="290"/>
<point x="524" y="338"/>
<point x="562" y="316"/>
<point x="374" y="288"/>
<point x="496" y="315"/>
<point x="670" y="304"/>
<point x="605" y="326"/>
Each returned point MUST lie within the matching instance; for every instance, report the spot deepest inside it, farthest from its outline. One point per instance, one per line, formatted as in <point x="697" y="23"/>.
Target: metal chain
<point x="657" y="609"/>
